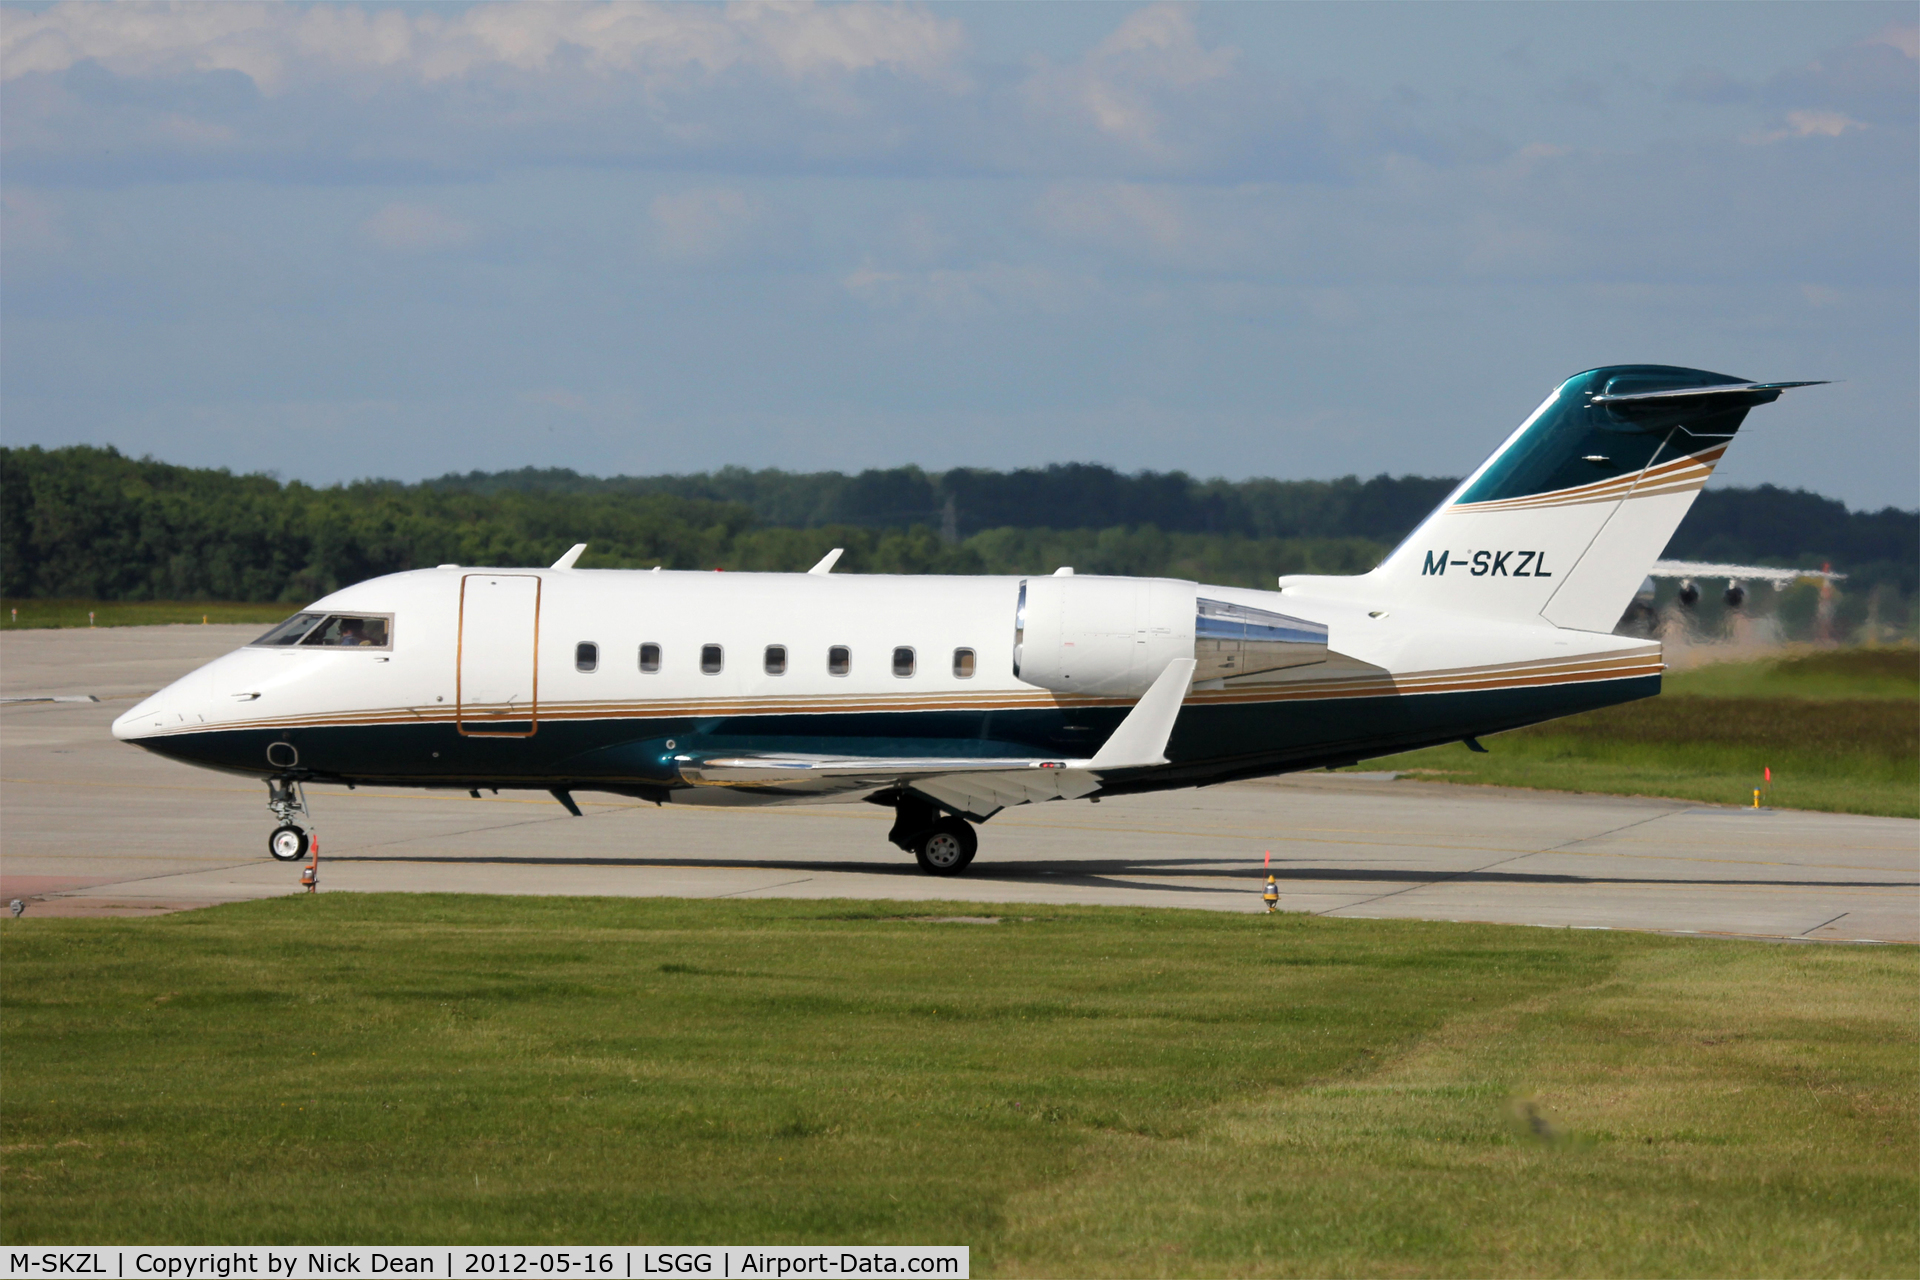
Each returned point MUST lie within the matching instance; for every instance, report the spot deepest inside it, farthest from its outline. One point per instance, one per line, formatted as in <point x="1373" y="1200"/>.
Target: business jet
<point x="1737" y="577"/>
<point x="949" y="699"/>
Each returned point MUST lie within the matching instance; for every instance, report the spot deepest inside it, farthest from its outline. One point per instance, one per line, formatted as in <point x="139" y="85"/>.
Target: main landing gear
<point x="942" y="845"/>
<point x="288" y="800"/>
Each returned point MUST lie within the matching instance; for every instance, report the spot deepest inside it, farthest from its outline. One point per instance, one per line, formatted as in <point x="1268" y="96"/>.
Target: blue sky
<point x="1299" y="240"/>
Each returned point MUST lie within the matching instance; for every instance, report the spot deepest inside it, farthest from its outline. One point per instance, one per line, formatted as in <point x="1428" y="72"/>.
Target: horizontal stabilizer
<point x="1756" y="389"/>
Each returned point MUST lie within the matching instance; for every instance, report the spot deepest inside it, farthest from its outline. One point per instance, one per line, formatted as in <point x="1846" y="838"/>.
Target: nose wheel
<point x="288" y="801"/>
<point x="288" y="843"/>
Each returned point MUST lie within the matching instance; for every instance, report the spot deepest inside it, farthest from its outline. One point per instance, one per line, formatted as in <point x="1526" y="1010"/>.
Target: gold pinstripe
<point x="1679" y="476"/>
<point x="1640" y="661"/>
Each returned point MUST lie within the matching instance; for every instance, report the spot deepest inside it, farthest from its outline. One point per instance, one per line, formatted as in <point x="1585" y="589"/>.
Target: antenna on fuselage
<point x="827" y="561"/>
<point x="568" y="560"/>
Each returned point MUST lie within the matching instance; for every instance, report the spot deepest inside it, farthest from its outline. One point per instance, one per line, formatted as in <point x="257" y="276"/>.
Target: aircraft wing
<point x="1737" y="572"/>
<point x="978" y="787"/>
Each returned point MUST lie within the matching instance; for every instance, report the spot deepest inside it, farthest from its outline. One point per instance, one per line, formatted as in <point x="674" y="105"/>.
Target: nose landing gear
<point x="288" y="801"/>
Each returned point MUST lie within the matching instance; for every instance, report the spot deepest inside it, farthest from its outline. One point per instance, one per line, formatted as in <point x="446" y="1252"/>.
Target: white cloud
<point x="1899" y="35"/>
<point x="1120" y="86"/>
<point x="418" y="228"/>
<point x="1806" y="124"/>
<point x="277" y="45"/>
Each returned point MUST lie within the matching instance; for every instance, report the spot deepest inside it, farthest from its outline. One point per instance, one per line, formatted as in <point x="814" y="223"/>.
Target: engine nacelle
<point x="1112" y="637"/>
<point x="1104" y="636"/>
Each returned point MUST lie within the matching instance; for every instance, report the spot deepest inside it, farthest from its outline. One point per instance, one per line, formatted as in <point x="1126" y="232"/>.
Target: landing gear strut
<point x="943" y="846"/>
<point x="288" y="800"/>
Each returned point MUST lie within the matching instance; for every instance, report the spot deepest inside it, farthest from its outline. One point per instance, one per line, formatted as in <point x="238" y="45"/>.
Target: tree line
<point x="92" y="523"/>
<point x="965" y="501"/>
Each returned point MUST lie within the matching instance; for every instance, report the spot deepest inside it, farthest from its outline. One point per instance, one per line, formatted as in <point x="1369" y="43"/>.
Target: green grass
<point x="1891" y="673"/>
<point x="1072" y="1091"/>
<point x="1839" y="728"/>
<point x="25" y="615"/>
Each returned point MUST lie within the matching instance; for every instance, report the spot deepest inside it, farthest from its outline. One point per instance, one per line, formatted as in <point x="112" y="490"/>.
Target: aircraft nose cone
<point x="127" y="726"/>
<point x="147" y="718"/>
<point x="176" y="706"/>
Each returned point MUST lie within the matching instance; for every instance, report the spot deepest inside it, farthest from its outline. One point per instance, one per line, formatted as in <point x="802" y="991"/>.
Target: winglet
<point x="1141" y="740"/>
<point x="568" y="560"/>
<point x="827" y="561"/>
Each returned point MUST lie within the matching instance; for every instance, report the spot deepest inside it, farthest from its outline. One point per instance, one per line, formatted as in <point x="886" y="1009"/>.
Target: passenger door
<point x="497" y="694"/>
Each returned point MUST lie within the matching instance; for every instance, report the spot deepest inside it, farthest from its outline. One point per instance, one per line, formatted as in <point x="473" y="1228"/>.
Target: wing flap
<point x="845" y="774"/>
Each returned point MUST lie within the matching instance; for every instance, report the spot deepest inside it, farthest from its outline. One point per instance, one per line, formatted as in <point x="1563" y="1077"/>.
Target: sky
<point x="1302" y="240"/>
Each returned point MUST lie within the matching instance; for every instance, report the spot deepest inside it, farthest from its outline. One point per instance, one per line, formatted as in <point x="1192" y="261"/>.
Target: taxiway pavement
<point x="89" y="825"/>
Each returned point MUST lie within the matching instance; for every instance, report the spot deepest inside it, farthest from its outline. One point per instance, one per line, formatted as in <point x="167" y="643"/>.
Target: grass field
<point x="33" y="614"/>
<point x="1839" y="728"/>
<point x="1069" y="1091"/>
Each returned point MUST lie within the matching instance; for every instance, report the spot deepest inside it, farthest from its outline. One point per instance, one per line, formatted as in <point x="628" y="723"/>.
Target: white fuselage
<point x="440" y="705"/>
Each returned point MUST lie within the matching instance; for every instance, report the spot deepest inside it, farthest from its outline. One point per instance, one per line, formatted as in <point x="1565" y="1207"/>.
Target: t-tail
<point x="1566" y="518"/>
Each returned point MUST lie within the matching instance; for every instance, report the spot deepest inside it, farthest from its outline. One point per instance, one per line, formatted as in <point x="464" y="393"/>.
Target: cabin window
<point x="963" y="664"/>
<point x="649" y="658"/>
<point x="334" y="631"/>
<point x="586" y="656"/>
<point x="903" y="662"/>
<point x="776" y="659"/>
<point x="710" y="659"/>
<point x="839" y="660"/>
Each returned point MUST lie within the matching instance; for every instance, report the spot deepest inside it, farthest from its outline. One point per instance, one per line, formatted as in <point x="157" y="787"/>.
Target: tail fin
<point x="1566" y="517"/>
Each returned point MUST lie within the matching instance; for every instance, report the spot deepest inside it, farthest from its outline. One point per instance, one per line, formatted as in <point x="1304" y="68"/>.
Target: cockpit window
<point x="351" y="631"/>
<point x="290" y="631"/>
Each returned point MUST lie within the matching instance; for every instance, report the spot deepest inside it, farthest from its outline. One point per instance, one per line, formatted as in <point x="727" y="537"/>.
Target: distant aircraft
<point x="949" y="699"/>
<point x="1736" y="575"/>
